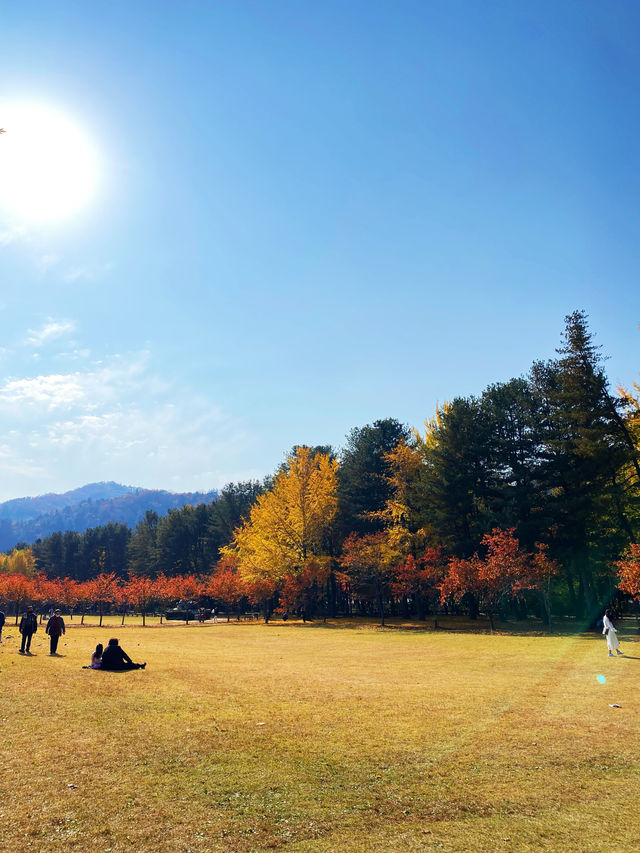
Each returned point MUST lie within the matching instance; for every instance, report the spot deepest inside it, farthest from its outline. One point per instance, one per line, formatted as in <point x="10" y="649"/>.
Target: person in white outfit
<point x="611" y="634"/>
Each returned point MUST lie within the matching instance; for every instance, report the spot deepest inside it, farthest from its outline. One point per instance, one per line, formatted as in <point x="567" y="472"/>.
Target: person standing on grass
<point x="611" y="634"/>
<point x="28" y="626"/>
<point x="55" y="628"/>
<point x="115" y="658"/>
<point x="1" y="623"/>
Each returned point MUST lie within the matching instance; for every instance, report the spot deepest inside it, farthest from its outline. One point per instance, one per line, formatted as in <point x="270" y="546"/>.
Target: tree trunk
<point x="380" y="605"/>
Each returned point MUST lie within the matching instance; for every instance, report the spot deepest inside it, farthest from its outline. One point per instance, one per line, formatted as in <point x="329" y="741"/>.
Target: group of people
<point x="29" y="625"/>
<point x="113" y="658"/>
<point x="116" y="659"/>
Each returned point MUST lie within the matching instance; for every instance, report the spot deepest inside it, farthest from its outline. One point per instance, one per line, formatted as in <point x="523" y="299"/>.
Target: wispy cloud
<point x="114" y="420"/>
<point x="52" y="330"/>
<point x="90" y="272"/>
<point x="12" y="234"/>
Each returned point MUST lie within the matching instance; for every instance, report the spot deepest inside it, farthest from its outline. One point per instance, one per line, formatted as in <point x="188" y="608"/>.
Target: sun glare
<point x="48" y="165"/>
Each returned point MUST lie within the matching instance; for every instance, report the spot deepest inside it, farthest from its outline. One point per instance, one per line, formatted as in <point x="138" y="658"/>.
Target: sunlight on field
<point x="246" y="737"/>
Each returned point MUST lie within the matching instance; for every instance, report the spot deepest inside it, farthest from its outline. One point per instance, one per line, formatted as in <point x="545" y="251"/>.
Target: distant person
<point x="28" y="627"/>
<point x="611" y="634"/>
<point x="55" y="629"/>
<point x="1" y="623"/>
<point x="115" y="658"/>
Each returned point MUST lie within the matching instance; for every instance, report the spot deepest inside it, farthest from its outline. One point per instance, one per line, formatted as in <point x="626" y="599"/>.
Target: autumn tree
<point x="369" y="560"/>
<point x="418" y="578"/>
<point x="140" y="593"/>
<point x="500" y="577"/>
<point x="225" y="584"/>
<point x="363" y="488"/>
<point x="16" y="589"/>
<point x="629" y="572"/>
<point x="288" y="525"/>
<point x="103" y="590"/>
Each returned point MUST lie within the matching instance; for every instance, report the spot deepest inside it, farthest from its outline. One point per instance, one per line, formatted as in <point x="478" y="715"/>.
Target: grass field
<point x="247" y="737"/>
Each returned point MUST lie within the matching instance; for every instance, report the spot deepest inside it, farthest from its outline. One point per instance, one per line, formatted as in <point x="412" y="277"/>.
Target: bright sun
<point x="48" y="166"/>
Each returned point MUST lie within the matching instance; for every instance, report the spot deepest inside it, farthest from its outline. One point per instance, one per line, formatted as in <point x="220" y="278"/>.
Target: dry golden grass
<point x="246" y="737"/>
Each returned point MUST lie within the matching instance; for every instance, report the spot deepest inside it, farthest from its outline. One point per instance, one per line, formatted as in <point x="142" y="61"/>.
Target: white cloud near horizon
<point x="114" y="420"/>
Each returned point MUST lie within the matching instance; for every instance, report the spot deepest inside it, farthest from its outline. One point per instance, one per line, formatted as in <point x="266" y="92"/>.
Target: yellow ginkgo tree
<point x="286" y="532"/>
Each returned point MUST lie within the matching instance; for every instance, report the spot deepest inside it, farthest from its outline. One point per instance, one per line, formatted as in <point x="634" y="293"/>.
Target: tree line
<point x="524" y="497"/>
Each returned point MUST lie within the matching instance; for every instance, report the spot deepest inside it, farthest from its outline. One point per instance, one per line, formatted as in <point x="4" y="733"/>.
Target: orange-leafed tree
<point x="185" y="587"/>
<point x="85" y="595"/>
<point x="104" y="590"/>
<point x="163" y="592"/>
<point x="121" y="599"/>
<point x="68" y="594"/>
<point x="16" y="589"/>
<point x="140" y="593"/>
<point x="45" y="591"/>
<point x="629" y="572"/>
<point x="226" y="585"/>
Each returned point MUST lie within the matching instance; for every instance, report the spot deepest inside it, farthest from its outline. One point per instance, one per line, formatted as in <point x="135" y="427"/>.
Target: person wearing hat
<point x="28" y="626"/>
<point x="116" y="659"/>
<point x="55" y="629"/>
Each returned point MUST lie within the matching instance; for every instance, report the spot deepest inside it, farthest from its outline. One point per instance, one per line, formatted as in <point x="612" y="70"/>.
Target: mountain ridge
<point x="92" y="505"/>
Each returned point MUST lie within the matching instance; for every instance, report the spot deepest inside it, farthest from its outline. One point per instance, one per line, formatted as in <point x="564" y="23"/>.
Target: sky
<point x="302" y="217"/>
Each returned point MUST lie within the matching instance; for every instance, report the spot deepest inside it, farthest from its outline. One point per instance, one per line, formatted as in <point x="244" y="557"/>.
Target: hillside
<point x="28" y="519"/>
<point x="23" y="509"/>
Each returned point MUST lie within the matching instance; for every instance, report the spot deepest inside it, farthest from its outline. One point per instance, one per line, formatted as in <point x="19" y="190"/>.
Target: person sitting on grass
<point x="96" y="657"/>
<point x="116" y="659"/>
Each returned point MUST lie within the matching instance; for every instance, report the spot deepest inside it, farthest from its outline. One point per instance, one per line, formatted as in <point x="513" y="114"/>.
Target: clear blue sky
<point x="311" y="215"/>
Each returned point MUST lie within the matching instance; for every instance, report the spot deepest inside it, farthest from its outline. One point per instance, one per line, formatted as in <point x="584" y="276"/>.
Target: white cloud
<point x="51" y="331"/>
<point x="114" y="421"/>
<point x="52" y="391"/>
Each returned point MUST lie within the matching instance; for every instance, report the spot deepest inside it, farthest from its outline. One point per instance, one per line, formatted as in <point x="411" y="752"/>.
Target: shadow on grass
<point x="562" y="627"/>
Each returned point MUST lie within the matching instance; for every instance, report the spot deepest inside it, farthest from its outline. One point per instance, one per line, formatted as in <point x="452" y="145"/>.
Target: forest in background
<point x="523" y="498"/>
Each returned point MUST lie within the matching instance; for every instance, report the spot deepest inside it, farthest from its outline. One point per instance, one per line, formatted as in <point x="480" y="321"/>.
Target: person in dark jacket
<point x="28" y="626"/>
<point x="1" y="623"/>
<point x="116" y="659"/>
<point x="55" y="628"/>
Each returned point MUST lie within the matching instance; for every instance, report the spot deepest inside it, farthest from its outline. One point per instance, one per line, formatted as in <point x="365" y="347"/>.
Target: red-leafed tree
<point x="260" y="592"/>
<point x="185" y="587"/>
<point x="503" y="575"/>
<point x="629" y="572"/>
<point x="16" y="589"/>
<point x="68" y="594"/>
<point x="163" y="592"/>
<point x="140" y="593"/>
<point x="418" y="578"/>
<point x="85" y="593"/>
<point x="225" y="584"/>
<point x="104" y="591"/>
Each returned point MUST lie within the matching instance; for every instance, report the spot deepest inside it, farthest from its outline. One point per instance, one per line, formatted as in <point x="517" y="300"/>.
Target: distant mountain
<point x="28" y="519"/>
<point x="22" y="509"/>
